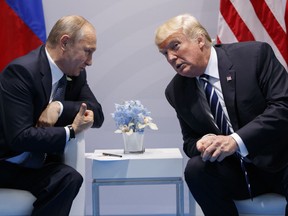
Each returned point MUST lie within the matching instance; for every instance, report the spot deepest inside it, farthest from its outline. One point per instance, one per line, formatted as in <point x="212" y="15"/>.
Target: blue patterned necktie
<point x="59" y="93"/>
<point x="221" y="120"/>
<point x="215" y="106"/>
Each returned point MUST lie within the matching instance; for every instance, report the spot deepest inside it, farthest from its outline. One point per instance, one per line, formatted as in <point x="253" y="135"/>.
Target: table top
<point x="118" y="154"/>
<point x="153" y="163"/>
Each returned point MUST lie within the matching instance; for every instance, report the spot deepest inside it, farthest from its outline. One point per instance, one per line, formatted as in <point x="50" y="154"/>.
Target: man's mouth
<point x="179" y="66"/>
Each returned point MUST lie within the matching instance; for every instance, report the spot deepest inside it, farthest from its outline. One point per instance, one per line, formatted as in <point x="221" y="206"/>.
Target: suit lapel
<point x="191" y="101"/>
<point x="228" y="84"/>
<point x="46" y="74"/>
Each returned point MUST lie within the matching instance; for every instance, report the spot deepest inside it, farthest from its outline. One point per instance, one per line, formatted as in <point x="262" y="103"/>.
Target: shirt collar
<point x="212" y="67"/>
<point x="55" y="70"/>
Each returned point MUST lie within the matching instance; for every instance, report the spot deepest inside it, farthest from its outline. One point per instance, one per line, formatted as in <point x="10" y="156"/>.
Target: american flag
<point x="261" y="20"/>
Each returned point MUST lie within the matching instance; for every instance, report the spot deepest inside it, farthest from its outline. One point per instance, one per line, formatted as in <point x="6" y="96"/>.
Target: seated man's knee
<point x="194" y="168"/>
<point x="72" y="176"/>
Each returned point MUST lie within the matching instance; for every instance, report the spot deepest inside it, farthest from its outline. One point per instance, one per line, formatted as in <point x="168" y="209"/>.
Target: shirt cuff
<point x="242" y="148"/>
<point x="67" y="133"/>
<point x="61" y="108"/>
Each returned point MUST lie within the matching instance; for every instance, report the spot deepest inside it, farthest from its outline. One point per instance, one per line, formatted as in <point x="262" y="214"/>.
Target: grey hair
<point x="70" y="25"/>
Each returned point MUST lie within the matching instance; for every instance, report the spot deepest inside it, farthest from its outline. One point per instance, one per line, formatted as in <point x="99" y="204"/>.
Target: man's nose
<point x="171" y="56"/>
<point x="88" y="61"/>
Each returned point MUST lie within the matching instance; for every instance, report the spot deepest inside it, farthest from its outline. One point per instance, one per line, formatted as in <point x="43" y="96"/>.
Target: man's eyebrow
<point x="174" y="40"/>
<point x="90" y="49"/>
<point x="163" y="49"/>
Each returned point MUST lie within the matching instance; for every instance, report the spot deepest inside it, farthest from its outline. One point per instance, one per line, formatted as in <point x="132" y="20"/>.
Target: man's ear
<point x="201" y="40"/>
<point x="64" y="40"/>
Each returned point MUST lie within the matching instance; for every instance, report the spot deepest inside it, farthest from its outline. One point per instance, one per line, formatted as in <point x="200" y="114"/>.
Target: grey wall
<point x="127" y="65"/>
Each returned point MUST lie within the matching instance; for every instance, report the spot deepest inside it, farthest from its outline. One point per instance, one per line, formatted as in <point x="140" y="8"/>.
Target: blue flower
<point x="132" y="116"/>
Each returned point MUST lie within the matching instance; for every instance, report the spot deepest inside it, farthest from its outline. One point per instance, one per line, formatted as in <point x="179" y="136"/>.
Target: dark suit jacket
<point x="25" y="88"/>
<point x="255" y="90"/>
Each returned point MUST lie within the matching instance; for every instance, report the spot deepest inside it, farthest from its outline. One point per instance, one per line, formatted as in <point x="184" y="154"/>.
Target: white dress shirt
<point x="56" y="76"/>
<point x="212" y="71"/>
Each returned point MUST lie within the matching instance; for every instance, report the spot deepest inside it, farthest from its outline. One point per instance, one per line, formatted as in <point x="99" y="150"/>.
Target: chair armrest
<point x="75" y="157"/>
<point x="75" y="153"/>
<point x="265" y="204"/>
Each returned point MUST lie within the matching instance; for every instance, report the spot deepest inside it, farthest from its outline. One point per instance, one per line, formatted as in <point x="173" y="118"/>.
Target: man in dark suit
<point x="39" y="116"/>
<point x="252" y="91"/>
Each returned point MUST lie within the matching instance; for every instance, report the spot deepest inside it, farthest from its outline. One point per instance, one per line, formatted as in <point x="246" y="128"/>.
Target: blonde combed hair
<point x="186" y="23"/>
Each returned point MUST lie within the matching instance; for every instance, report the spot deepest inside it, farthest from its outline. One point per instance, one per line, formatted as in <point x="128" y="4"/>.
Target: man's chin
<point x="78" y="73"/>
<point x="187" y="73"/>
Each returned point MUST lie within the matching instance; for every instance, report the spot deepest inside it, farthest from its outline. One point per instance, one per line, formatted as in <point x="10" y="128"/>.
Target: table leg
<point x="179" y="191"/>
<point x="95" y="199"/>
<point x="180" y="198"/>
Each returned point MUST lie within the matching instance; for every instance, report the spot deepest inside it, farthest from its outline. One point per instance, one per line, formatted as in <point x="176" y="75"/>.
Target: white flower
<point x="131" y="116"/>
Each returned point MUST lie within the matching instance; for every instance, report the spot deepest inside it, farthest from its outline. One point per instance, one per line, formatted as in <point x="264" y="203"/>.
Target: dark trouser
<point x="55" y="186"/>
<point x="215" y="185"/>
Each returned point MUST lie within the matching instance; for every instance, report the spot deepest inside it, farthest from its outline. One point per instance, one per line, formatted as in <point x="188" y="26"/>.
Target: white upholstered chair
<point x="264" y="205"/>
<point x="19" y="203"/>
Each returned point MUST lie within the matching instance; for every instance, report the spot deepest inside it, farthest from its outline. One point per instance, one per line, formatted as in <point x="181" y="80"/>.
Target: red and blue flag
<point x="22" y="28"/>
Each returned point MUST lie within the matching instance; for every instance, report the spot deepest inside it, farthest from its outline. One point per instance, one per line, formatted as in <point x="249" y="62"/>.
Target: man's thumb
<point x="82" y="109"/>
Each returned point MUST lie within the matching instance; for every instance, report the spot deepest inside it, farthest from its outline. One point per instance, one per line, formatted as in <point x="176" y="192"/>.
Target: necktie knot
<point x="204" y="77"/>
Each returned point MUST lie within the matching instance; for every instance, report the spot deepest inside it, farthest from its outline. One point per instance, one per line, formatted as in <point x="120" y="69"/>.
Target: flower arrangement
<point x="132" y="116"/>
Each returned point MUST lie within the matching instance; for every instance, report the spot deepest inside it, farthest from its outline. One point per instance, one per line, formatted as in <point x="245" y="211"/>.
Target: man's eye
<point x="88" y="51"/>
<point x="175" y="46"/>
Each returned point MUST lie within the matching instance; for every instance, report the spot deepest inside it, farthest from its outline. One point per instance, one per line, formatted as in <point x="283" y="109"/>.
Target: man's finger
<point x="82" y="109"/>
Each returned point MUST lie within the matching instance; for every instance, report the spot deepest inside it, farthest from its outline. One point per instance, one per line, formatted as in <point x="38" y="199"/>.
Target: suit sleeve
<point x="190" y="137"/>
<point x="77" y="92"/>
<point x="23" y="101"/>
<point x="265" y="136"/>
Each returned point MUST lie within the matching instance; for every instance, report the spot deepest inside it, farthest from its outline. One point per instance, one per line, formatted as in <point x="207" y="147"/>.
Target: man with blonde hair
<point x="232" y="104"/>
<point x="46" y="102"/>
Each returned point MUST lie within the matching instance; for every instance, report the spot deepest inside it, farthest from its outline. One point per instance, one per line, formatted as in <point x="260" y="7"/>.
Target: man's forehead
<point x="177" y="36"/>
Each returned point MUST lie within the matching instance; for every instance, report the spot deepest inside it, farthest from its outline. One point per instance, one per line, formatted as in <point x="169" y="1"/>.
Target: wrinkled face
<point x="78" y="55"/>
<point x="184" y="55"/>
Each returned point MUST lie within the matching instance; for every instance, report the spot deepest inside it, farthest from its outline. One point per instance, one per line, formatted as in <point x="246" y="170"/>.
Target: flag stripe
<point x="218" y="40"/>
<point x="226" y="33"/>
<point x="18" y="39"/>
<point x="272" y="26"/>
<point x="31" y="13"/>
<point x="278" y="10"/>
<point x="265" y="20"/>
<point x="247" y="12"/>
<point x="286" y="17"/>
<point x="235" y="22"/>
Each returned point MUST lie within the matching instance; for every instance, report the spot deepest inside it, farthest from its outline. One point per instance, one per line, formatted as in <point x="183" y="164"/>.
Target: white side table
<point x="165" y="167"/>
